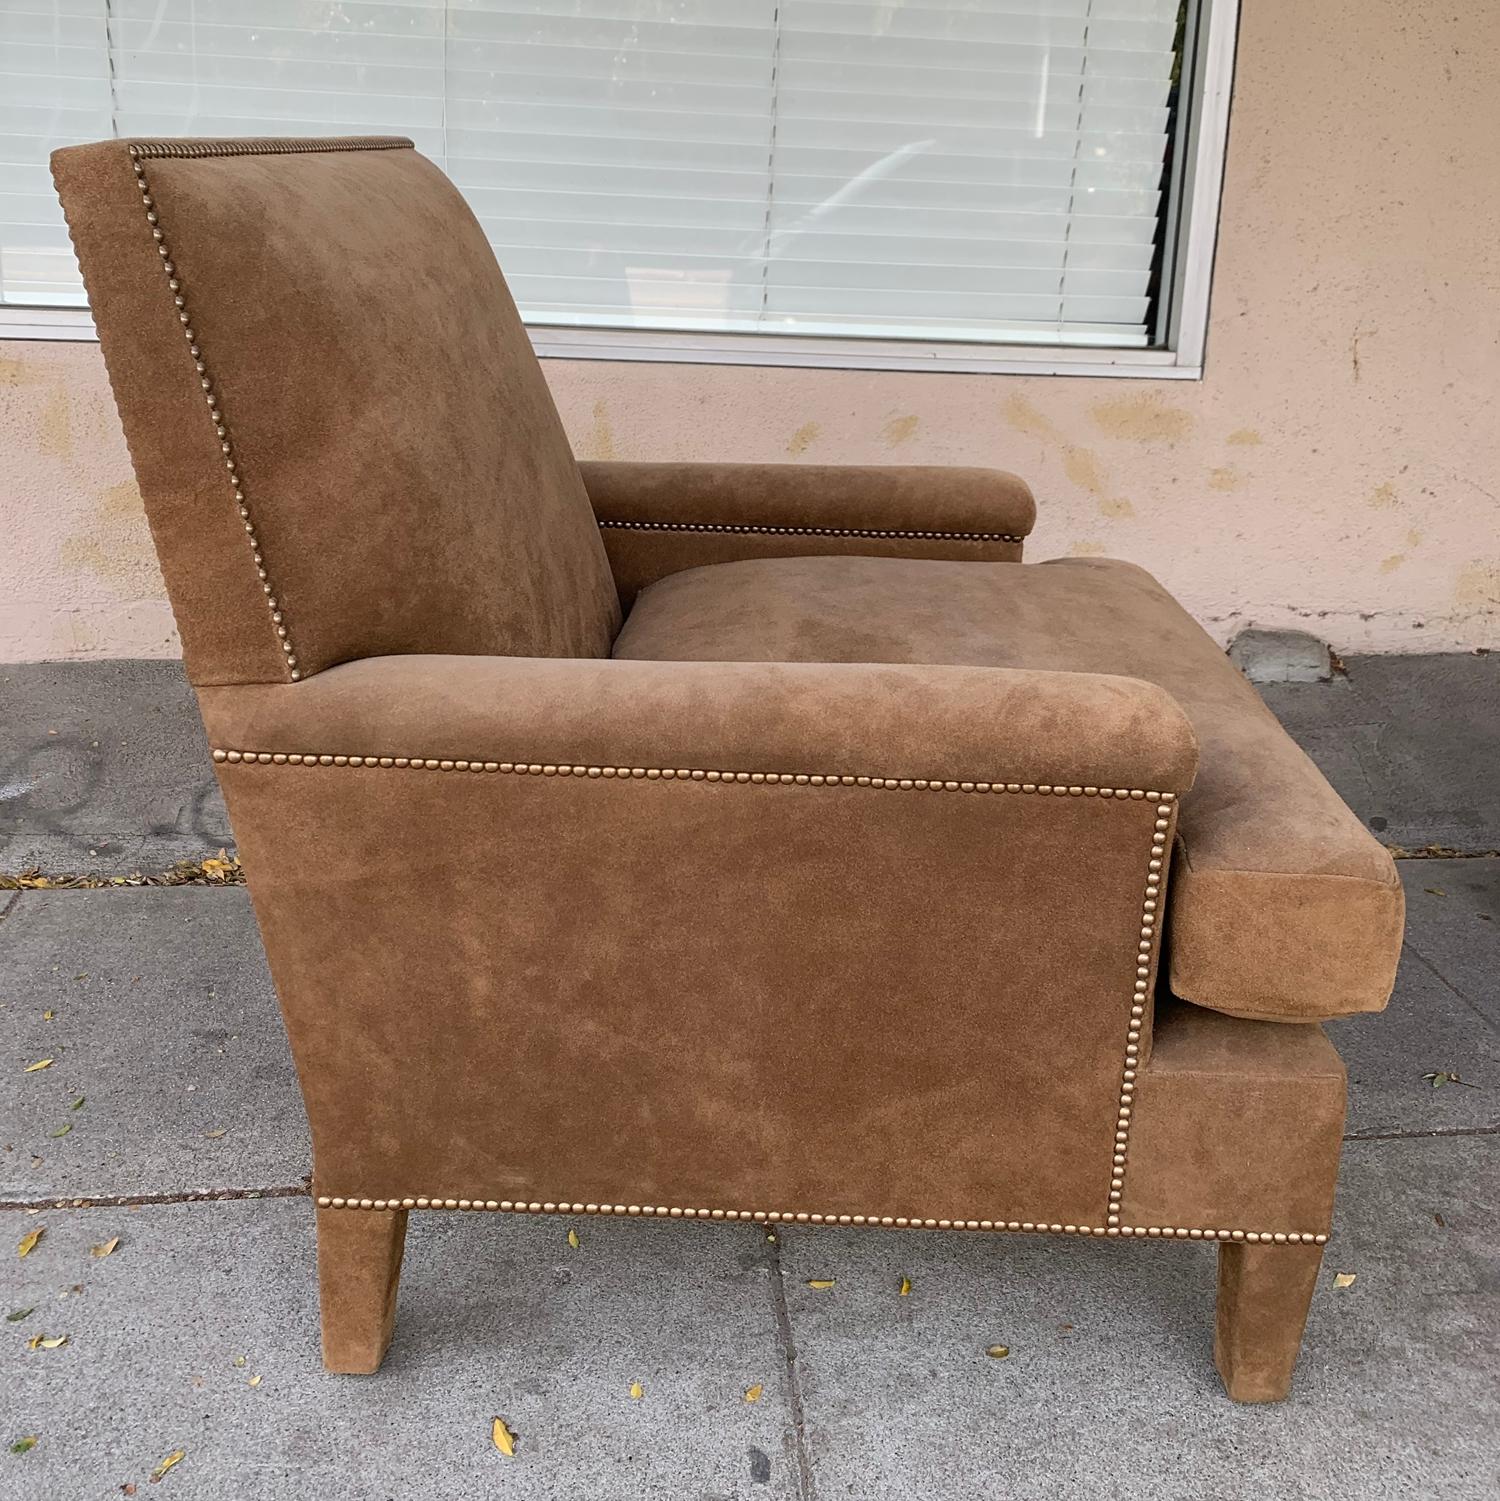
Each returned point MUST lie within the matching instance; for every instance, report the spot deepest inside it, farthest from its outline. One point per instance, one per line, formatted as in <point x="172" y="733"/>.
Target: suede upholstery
<point x="663" y="518"/>
<point x="835" y="895"/>
<point x="1283" y="906"/>
<point x="403" y="466"/>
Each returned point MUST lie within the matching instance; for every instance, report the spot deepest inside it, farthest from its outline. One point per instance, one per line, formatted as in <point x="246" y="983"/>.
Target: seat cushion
<point x="1282" y="906"/>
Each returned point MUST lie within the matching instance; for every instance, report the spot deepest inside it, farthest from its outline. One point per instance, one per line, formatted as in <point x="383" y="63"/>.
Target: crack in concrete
<point x="1443" y="980"/>
<point x="788" y="1344"/>
<point x="1438" y="1132"/>
<point x="117" y="1201"/>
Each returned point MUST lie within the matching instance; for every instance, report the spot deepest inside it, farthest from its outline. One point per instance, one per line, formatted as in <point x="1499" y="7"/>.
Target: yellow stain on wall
<point x="1083" y="469"/>
<point x="803" y="439"/>
<point x="1142" y="419"/>
<point x="54" y="427"/>
<point x="1392" y="563"/>
<point x="1383" y="497"/>
<point x="1086" y="549"/>
<point x="1244" y="437"/>
<point x="1116" y="507"/>
<point x="899" y="430"/>
<point x="1226" y="477"/>
<point x="601" y="440"/>
<point x="123" y="499"/>
<point x="1032" y="421"/>
<point x="1478" y="585"/>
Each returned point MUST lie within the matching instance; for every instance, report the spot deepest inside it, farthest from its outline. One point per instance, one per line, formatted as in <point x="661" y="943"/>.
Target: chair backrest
<point x="342" y="436"/>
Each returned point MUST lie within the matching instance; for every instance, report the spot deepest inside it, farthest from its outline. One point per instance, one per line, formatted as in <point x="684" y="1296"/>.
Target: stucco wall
<point x="1337" y="469"/>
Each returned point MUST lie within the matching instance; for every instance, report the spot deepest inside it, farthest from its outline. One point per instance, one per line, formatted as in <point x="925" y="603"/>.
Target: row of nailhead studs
<point x="1145" y="950"/>
<point x="266" y="146"/>
<point x="667" y="773"/>
<point x="137" y="153"/>
<point x="786" y="1217"/>
<point x="804" y="531"/>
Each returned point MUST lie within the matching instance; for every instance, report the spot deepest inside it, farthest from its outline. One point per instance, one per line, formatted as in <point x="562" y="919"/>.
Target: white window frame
<point x="1202" y="138"/>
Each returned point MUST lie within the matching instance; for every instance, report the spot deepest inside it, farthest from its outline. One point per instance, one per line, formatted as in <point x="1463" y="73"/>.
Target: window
<point x="948" y="183"/>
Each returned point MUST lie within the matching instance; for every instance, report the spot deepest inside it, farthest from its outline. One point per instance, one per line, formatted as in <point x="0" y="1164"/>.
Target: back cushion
<point x="343" y="439"/>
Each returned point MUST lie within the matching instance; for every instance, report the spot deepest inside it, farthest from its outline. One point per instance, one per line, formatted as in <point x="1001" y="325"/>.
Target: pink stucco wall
<point x="1337" y="470"/>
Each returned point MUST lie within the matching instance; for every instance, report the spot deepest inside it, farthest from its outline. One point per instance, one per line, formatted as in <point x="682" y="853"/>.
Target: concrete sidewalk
<point x="190" y="1144"/>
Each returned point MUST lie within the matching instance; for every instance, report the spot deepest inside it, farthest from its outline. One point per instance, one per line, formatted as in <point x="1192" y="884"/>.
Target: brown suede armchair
<point x="864" y="876"/>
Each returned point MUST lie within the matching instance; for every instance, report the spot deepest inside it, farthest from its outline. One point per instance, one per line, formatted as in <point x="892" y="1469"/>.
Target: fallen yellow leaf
<point x="31" y="1068"/>
<point x="573" y="1239"/>
<point x="107" y="1249"/>
<point x="29" y="1241"/>
<point x="62" y="1130"/>
<point x="906" y="1287"/>
<point x="253" y="1381"/>
<point x="753" y="1393"/>
<point x="239" y="1360"/>
<point x="637" y="1391"/>
<point x="1345" y="1279"/>
<point x="24" y="1445"/>
<point x="821" y="1283"/>
<point x="504" y="1439"/>
<point x="172" y="1460"/>
<point x="46" y="1341"/>
<point x="998" y="1352"/>
<point x="48" y="1015"/>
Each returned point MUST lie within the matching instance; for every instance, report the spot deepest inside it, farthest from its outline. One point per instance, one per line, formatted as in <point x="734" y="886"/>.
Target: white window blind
<point x="975" y="170"/>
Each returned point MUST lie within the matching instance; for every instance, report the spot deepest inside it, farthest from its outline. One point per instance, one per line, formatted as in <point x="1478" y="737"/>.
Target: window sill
<point x="651" y="347"/>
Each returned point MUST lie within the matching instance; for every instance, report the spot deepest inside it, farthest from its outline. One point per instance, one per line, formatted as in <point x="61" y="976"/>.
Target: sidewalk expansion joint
<point x="788" y="1345"/>
<point x="115" y="1201"/>
<point x="1439" y="1132"/>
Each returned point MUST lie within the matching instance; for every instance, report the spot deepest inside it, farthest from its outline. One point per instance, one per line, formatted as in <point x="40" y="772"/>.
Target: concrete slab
<point x="103" y="766"/>
<point x="1411" y="743"/>
<point x="1110" y="1390"/>
<point x="499" y="1317"/>
<point x="1427" y="1029"/>
<point x="1453" y="924"/>
<point x="165" y="1023"/>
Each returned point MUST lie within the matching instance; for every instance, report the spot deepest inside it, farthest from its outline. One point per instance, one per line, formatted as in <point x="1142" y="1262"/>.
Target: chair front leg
<point x="359" y="1270"/>
<point x="1264" y="1294"/>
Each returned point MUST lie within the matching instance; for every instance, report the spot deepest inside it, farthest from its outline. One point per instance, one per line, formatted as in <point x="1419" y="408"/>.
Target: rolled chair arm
<point x="661" y="518"/>
<point x="969" y="724"/>
<point x="720" y="939"/>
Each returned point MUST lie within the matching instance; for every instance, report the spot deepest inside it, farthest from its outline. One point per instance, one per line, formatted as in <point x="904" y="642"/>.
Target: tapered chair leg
<point x="1264" y="1294"/>
<point x="359" y="1268"/>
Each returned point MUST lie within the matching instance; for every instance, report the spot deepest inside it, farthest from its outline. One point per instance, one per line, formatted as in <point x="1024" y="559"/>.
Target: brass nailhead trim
<point x="1145" y="962"/>
<point x="686" y="774"/>
<point x="804" y="531"/>
<point x="174" y="285"/>
<point x="266" y="146"/>
<point x="788" y="1217"/>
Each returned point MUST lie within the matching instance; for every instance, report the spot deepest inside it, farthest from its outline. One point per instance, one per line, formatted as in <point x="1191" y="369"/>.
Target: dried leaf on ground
<point x="48" y="1015"/>
<point x="637" y="1391"/>
<point x="62" y="1130"/>
<point x="820" y="1283"/>
<point x="16" y="1315"/>
<point x="998" y="1352"/>
<point x="1447" y="1076"/>
<point x="253" y="1381"/>
<point x="172" y="1460"/>
<point x="128" y="1489"/>
<point x="29" y="1241"/>
<point x="220" y="870"/>
<point x="753" y="1393"/>
<point x="573" y="1239"/>
<point x="24" y="1445"/>
<point x="41" y="1063"/>
<point x="1344" y="1279"/>
<point x="215" y="1135"/>
<point x="905" y="1288"/>
<point x="1434" y="891"/>
<point x="46" y="1341"/>
<point x="239" y="1360"/>
<point x="504" y="1440"/>
<point x="107" y="1248"/>
<point x="78" y="1103"/>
